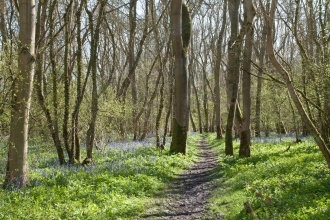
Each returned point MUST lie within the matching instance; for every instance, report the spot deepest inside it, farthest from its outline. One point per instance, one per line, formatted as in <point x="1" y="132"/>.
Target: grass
<point x="122" y="181"/>
<point x="278" y="184"/>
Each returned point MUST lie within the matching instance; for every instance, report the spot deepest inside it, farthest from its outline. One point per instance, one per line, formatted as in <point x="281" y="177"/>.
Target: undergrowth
<point x="278" y="183"/>
<point x="117" y="186"/>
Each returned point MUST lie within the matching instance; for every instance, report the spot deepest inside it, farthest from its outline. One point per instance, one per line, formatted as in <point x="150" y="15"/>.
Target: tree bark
<point x="67" y="80"/>
<point x="131" y="55"/>
<point x="17" y="166"/>
<point x="217" y="72"/>
<point x="200" y="121"/>
<point x="180" y="41"/>
<point x="261" y="57"/>
<point x="234" y="49"/>
<point x="94" y="105"/>
<point x="245" y="143"/>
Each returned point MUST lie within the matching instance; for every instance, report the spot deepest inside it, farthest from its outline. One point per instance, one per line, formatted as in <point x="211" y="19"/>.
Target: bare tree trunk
<point x="269" y="19"/>
<point x="261" y="57"/>
<point x="75" y="139"/>
<point x="249" y="13"/>
<point x="67" y="80"/>
<point x="149" y="107"/>
<point x="40" y="38"/>
<point x="3" y="30"/>
<point x="217" y="72"/>
<point x="55" y="128"/>
<point x="205" y="101"/>
<point x="169" y="108"/>
<point x="17" y="166"/>
<point x="131" y="55"/>
<point x="93" y="62"/>
<point x="234" y="49"/>
<point x="160" y="110"/>
<point x="180" y="42"/>
<point x="192" y="82"/>
<point x="295" y="126"/>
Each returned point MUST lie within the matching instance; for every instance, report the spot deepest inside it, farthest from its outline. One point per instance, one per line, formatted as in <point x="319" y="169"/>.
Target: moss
<point x="186" y="26"/>
<point x="179" y="140"/>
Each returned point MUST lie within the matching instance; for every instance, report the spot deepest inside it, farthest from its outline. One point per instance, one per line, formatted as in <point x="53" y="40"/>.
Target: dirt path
<point x="189" y="193"/>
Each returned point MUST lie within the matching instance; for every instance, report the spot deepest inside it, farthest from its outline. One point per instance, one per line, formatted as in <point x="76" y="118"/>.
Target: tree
<point x="39" y="72"/>
<point x="17" y="166"/>
<point x="234" y="50"/>
<point x="269" y="20"/>
<point x="180" y="42"/>
<point x="249" y="13"/>
<point x="95" y="31"/>
<point x="217" y="71"/>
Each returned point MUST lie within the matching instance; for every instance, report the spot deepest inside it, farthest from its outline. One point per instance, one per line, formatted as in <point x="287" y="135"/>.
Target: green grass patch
<point x="278" y="184"/>
<point x="118" y="186"/>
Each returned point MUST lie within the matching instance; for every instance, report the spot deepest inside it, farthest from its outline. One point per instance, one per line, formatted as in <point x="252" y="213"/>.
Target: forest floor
<point x="188" y="194"/>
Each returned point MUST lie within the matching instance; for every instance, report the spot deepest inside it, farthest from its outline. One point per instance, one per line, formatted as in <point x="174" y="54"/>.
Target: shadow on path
<point x="188" y="194"/>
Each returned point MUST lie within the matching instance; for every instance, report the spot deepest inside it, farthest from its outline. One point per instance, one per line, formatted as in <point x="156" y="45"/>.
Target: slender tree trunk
<point x="17" y="166"/>
<point x="192" y="122"/>
<point x="200" y="121"/>
<point x="94" y="108"/>
<point x="245" y="143"/>
<point x="192" y="82"/>
<point x="149" y="107"/>
<point x="261" y="58"/>
<point x="170" y="102"/>
<point x="67" y="81"/>
<point x="160" y="110"/>
<point x="180" y="42"/>
<point x="269" y="19"/>
<point x="131" y="55"/>
<point x="39" y="72"/>
<point x="54" y="125"/>
<point x="205" y="102"/>
<point x="217" y="72"/>
<point x="75" y="139"/>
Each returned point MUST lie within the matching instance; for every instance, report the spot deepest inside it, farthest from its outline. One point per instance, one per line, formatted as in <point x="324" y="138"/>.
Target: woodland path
<point x="187" y="196"/>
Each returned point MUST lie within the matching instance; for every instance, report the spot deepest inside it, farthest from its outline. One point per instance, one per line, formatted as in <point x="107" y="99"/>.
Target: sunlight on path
<point x="187" y="196"/>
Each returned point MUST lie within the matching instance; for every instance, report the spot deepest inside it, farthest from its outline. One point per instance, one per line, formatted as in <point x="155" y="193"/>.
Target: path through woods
<point x="188" y="194"/>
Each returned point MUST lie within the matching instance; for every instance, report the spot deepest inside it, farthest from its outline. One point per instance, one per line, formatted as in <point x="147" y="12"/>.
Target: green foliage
<point x="278" y="184"/>
<point x="117" y="186"/>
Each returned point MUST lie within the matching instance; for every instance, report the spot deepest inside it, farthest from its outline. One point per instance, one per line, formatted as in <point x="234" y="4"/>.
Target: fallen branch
<point x="249" y="210"/>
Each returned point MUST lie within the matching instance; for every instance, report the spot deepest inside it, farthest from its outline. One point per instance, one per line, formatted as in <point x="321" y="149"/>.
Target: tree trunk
<point x="75" y="142"/>
<point x="261" y="57"/>
<point x="67" y="81"/>
<point x="169" y="108"/>
<point x="192" y="122"/>
<point x="192" y="82"/>
<point x="3" y="29"/>
<point x="245" y="143"/>
<point x="217" y="72"/>
<point x="149" y="107"/>
<point x="17" y="166"/>
<point x="94" y="108"/>
<point x="131" y="43"/>
<point x="180" y="43"/>
<point x="234" y="48"/>
<point x="269" y="19"/>
<point x="41" y="31"/>
<point x="205" y="101"/>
